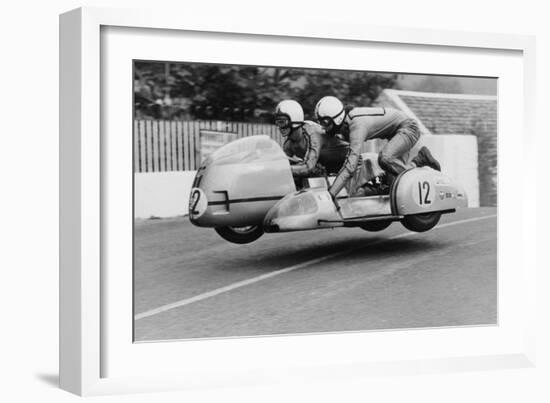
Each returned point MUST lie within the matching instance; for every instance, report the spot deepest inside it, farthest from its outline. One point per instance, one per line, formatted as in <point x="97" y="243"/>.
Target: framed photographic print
<point x="238" y="208"/>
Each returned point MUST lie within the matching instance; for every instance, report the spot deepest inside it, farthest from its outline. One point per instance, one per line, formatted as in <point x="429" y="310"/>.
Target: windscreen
<point x="246" y="150"/>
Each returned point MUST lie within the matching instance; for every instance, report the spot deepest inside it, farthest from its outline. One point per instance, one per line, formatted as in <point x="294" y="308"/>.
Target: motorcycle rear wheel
<point x="421" y="222"/>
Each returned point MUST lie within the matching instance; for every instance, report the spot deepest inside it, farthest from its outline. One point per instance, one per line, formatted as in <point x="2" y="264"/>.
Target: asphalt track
<point x="190" y="283"/>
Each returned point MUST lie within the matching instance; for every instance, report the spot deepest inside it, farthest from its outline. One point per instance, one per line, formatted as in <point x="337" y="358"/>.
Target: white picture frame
<point x="84" y="308"/>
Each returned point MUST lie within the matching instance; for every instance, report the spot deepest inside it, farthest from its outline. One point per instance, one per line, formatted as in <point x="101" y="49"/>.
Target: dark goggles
<point x="282" y="121"/>
<point x="328" y="121"/>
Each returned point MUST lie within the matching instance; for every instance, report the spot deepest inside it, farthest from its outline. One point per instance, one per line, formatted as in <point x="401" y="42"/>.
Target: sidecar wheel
<point x="240" y="235"/>
<point x="375" y="226"/>
<point x="421" y="222"/>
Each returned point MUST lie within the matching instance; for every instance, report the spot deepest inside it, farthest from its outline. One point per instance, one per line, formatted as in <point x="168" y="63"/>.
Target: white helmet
<point x="329" y="111"/>
<point x="289" y="115"/>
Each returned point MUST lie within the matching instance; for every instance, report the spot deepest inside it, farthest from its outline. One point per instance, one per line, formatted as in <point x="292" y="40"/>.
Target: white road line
<point x="253" y="280"/>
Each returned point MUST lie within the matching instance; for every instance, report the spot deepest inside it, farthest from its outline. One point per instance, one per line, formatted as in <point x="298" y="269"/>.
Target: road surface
<point x="190" y="283"/>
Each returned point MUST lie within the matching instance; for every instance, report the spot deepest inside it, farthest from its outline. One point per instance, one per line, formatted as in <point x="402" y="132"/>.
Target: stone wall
<point x="451" y="114"/>
<point x="487" y="163"/>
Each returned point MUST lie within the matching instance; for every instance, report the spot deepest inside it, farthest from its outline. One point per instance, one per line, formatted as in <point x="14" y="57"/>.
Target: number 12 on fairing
<point x="424" y="193"/>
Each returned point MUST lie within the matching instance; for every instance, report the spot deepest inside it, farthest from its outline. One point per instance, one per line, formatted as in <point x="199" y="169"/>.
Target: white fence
<point x="164" y="145"/>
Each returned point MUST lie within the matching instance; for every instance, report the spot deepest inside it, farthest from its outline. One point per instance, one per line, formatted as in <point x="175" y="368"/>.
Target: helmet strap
<point x="338" y="114"/>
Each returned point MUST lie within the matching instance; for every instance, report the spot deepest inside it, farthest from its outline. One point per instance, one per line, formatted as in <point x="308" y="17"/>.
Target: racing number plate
<point x="424" y="193"/>
<point x="197" y="203"/>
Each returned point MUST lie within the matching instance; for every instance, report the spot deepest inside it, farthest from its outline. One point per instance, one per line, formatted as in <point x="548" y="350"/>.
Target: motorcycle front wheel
<point x="240" y="235"/>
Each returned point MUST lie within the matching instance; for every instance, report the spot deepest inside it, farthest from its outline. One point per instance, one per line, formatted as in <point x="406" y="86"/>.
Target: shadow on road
<point x="374" y="248"/>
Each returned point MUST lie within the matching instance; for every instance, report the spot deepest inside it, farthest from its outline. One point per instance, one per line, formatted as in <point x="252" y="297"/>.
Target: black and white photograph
<point x="272" y="200"/>
<point x="298" y="201"/>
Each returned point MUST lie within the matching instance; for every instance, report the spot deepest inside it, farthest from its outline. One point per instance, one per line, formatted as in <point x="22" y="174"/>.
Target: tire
<point x="421" y="222"/>
<point x="375" y="226"/>
<point x="240" y="235"/>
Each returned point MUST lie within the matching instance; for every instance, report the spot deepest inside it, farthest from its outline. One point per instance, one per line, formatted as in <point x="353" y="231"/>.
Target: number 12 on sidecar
<point x="245" y="188"/>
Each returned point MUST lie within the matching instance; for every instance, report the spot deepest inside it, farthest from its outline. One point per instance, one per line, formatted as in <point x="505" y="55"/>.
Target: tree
<point x="244" y="93"/>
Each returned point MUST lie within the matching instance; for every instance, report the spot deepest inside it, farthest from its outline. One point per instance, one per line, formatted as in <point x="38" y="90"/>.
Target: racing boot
<point x="375" y="187"/>
<point x="425" y="158"/>
<point x="366" y="190"/>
